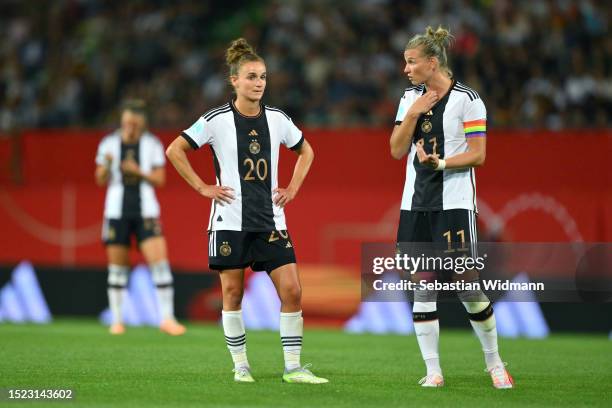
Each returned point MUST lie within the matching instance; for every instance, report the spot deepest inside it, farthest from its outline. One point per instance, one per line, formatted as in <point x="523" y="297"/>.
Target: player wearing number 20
<point x="247" y="222"/>
<point x="441" y="125"/>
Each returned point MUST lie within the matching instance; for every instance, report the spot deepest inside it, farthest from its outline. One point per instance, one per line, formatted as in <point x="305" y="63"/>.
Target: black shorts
<point x="119" y="231"/>
<point x="453" y="230"/>
<point x="262" y="251"/>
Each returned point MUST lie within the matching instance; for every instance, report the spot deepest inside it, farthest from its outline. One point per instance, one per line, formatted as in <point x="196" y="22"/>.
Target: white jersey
<point x="459" y="115"/>
<point x="131" y="197"/>
<point x="245" y="151"/>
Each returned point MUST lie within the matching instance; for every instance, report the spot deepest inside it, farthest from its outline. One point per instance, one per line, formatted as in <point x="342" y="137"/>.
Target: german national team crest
<point x="254" y="147"/>
<point x="225" y="249"/>
<point x="426" y="126"/>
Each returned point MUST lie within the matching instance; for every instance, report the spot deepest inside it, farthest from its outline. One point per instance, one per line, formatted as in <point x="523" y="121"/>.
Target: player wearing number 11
<point x="441" y="125"/>
<point x="247" y="222"/>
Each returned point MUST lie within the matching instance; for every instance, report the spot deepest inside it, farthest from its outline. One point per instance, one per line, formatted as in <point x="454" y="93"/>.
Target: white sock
<point x="486" y="330"/>
<point x="427" y="329"/>
<point x="117" y="281"/>
<point x="162" y="277"/>
<point x="291" y="332"/>
<point x="235" y="337"/>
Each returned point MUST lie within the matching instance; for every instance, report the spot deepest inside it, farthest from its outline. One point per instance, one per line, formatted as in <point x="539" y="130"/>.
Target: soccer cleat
<point x="172" y="327"/>
<point x="243" y="374"/>
<point x="116" y="328"/>
<point x="501" y="377"/>
<point x="432" y="380"/>
<point x="302" y="375"/>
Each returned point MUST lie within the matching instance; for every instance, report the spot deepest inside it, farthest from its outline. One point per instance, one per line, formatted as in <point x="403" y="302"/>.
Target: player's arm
<point x="102" y="174"/>
<point x="401" y="137"/>
<point x="302" y="166"/>
<point x="177" y="154"/>
<point x="474" y="157"/>
<point x="475" y="130"/>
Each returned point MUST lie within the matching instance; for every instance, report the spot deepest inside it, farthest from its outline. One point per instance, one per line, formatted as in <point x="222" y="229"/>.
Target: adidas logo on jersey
<point x="253" y="133"/>
<point x="288" y="245"/>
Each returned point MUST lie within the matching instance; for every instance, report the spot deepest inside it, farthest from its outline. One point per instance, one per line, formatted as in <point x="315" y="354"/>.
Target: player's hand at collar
<point x="221" y="194"/>
<point x="130" y="167"/>
<point x="429" y="160"/>
<point x="424" y="103"/>
<point x="283" y="196"/>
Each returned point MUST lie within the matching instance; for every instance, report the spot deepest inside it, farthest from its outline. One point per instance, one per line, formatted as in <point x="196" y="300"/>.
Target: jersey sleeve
<point x="293" y="136"/>
<point x="198" y="134"/>
<point x="159" y="157"/>
<point x="101" y="153"/>
<point x="402" y="109"/>
<point x="475" y="119"/>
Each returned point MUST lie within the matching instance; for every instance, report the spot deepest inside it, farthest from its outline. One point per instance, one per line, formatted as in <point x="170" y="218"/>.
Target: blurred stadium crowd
<point x="537" y="64"/>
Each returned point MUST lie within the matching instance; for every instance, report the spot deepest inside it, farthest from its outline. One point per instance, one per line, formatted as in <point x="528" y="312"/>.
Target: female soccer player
<point x="131" y="162"/>
<point x="441" y="125"/>
<point x="247" y="221"/>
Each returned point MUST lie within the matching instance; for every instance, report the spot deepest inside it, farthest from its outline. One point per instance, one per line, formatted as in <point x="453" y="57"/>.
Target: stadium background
<point x="542" y="68"/>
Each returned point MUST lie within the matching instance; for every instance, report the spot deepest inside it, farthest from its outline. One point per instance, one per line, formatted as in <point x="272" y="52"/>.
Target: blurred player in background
<point x="247" y="222"/>
<point x="441" y="125"/>
<point x="131" y="162"/>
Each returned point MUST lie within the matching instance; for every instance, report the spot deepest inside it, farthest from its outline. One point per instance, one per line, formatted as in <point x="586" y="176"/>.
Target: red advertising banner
<point x="534" y="187"/>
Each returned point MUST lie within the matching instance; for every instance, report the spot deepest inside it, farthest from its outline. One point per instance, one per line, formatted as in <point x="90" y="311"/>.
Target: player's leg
<point x="287" y="283"/>
<point x="273" y="253"/>
<point x="154" y="250"/>
<point x="228" y="254"/>
<point x="462" y="231"/>
<point x="414" y="227"/>
<point x="115" y="235"/>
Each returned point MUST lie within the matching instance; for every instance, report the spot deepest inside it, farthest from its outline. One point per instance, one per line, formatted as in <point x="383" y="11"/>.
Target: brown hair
<point x="433" y="44"/>
<point x="238" y="53"/>
<point x="138" y="106"/>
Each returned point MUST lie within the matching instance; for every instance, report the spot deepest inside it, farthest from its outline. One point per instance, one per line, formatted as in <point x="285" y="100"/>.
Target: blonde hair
<point x="238" y="53"/>
<point x="433" y="44"/>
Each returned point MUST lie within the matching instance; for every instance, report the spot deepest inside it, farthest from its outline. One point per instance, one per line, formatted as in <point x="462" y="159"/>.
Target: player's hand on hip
<point x="424" y="103"/>
<point x="429" y="160"/>
<point x="221" y="194"/>
<point x="283" y="196"/>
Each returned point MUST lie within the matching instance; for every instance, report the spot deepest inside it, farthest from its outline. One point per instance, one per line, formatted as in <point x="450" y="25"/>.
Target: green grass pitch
<point x="146" y="368"/>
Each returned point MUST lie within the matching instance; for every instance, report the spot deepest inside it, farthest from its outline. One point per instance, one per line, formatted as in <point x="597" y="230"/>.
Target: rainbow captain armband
<point x="475" y="128"/>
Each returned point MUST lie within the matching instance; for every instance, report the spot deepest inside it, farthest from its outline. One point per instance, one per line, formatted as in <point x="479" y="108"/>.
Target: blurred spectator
<point x="543" y="64"/>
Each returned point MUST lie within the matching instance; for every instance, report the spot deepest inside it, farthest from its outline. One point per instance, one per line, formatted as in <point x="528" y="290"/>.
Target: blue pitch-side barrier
<point x="21" y="299"/>
<point x="140" y="305"/>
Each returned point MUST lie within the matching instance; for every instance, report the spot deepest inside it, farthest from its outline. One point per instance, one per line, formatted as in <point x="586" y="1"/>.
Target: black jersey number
<point x="259" y="168"/>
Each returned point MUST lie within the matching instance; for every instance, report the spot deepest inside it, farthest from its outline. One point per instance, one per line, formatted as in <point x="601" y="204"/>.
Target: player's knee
<point x="292" y="294"/>
<point x="160" y="273"/>
<point x="232" y="295"/>
<point x="117" y="275"/>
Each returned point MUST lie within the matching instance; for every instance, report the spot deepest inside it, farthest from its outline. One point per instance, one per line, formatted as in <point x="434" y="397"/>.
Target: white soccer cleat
<point x="432" y="380"/>
<point x="501" y="377"/>
<point x="243" y="374"/>
<point x="302" y="375"/>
